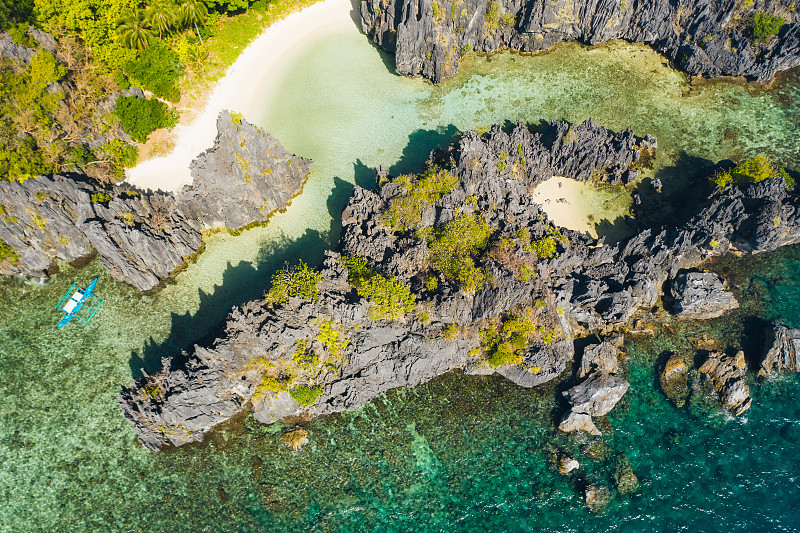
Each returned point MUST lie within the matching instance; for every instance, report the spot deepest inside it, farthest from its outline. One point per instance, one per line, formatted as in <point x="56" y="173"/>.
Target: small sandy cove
<point x="240" y="90"/>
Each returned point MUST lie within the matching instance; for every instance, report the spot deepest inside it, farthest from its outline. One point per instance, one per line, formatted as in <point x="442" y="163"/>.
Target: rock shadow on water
<point x="340" y="195"/>
<point x="685" y="186"/>
<point x="241" y="283"/>
<point x="419" y="147"/>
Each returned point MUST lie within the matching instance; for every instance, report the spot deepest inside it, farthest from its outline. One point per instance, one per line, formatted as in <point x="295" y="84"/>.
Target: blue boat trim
<point x="79" y="303"/>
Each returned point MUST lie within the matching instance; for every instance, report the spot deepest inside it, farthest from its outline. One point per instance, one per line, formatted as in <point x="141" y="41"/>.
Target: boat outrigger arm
<point x="79" y="303"/>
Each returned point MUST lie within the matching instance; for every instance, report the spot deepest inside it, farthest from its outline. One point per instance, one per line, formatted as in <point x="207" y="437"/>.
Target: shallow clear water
<point x="460" y="453"/>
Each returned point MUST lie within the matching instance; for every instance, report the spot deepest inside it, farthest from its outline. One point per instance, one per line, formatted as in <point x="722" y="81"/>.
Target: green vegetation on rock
<point x="297" y="281"/>
<point x="331" y="338"/>
<point x="305" y="395"/>
<point x="753" y="170"/>
<point x="492" y="15"/>
<point x="455" y="247"/>
<point x="505" y="341"/>
<point x="390" y="299"/>
<point x="404" y="212"/>
<point x="765" y="26"/>
<point x="7" y="253"/>
<point x="101" y="197"/>
<point x="140" y="117"/>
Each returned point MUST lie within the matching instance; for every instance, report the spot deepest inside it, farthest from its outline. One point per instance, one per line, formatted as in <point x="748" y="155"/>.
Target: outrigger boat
<point x="79" y="303"/>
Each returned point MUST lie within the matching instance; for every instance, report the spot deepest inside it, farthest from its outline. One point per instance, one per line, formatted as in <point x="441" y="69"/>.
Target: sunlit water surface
<point x="460" y="453"/>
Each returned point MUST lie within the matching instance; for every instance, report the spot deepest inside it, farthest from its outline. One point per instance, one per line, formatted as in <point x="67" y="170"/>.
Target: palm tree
<point x="162" y="16"/>
<point x="133" y="30"/>
<point x="194" y="12"/>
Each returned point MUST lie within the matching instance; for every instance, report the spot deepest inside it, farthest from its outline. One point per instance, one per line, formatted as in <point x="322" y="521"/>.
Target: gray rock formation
<point x="701" y="295"/>
<point x="598" y="394"/>
<point x="11" y="51"/>
<point x="572" y="421"/>
<point x="783" y="351"/>
<point x="702" y="37"/>
<point x="602" y="357"/>
<point x="335" y="347"/>
<point x="598" y="286"/>
<point x="728" y="376"/>
<point x="384" y="354"/>
<point x="143" y="236"/>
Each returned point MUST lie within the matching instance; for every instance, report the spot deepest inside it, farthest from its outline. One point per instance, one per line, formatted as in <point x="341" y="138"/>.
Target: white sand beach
<point x="581" y="206"/>
<point x="240" y="90"/>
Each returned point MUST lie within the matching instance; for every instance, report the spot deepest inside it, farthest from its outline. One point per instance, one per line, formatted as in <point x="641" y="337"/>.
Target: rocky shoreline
<point x="144" y="236"/>
<point x="701" y="37"/>
<point x="456" y="268"/>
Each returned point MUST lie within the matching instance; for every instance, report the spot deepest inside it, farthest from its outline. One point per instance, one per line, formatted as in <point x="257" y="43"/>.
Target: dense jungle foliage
<point x="59" y="104"/>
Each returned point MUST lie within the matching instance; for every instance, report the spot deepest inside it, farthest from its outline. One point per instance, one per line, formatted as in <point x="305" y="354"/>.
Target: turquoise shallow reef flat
<point x="457" y="454"/>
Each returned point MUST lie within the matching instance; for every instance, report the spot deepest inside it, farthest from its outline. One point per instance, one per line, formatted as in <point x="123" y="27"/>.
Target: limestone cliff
<point x="702" y="37"/>
<point x="143" y="236"/>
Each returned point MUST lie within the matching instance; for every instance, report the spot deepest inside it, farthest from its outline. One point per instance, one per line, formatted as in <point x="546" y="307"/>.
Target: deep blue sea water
<point x="459" y="453"/>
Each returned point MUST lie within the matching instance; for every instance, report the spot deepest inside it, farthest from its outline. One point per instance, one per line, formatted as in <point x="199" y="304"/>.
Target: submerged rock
<point x="728" y="375"/>
<point x="143" y="236"/>
<point x="701" y="295"/>
<point x="295" y="438"/>
<point x="596" y="497"/>
<point x="674" y="379"/>
<point x="625" y="480"/>
<point x="700" y="37"/>
<point x="783" y="351"/>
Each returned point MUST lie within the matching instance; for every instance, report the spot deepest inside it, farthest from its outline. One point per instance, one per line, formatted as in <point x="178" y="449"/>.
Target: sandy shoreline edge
<point x="239" y="90"/>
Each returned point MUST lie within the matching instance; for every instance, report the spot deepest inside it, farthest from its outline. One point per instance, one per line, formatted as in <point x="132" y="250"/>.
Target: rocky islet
<point x="583" y="285"/>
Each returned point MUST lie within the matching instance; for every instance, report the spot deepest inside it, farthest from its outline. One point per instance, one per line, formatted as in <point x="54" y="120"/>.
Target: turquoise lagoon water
<point x="457" y="454"/>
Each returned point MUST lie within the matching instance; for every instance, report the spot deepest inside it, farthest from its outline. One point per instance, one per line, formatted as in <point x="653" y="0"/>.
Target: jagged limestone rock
<point x="701" y="295"/>
<point x="143" y="236"/>
<point x="783" y="351"/>
<point x="601" y="357"/>
<point x="597" y="394"/>
<point x="701" y="37"/>
<point x="728" y="375"/>
<point x="593" y="287"/>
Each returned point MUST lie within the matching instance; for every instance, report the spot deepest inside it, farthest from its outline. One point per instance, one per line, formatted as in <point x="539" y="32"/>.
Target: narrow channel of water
<point x="463" y="453"/>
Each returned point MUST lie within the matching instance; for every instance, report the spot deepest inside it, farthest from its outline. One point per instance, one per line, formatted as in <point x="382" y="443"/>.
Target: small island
<point x="457" y="268"/>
